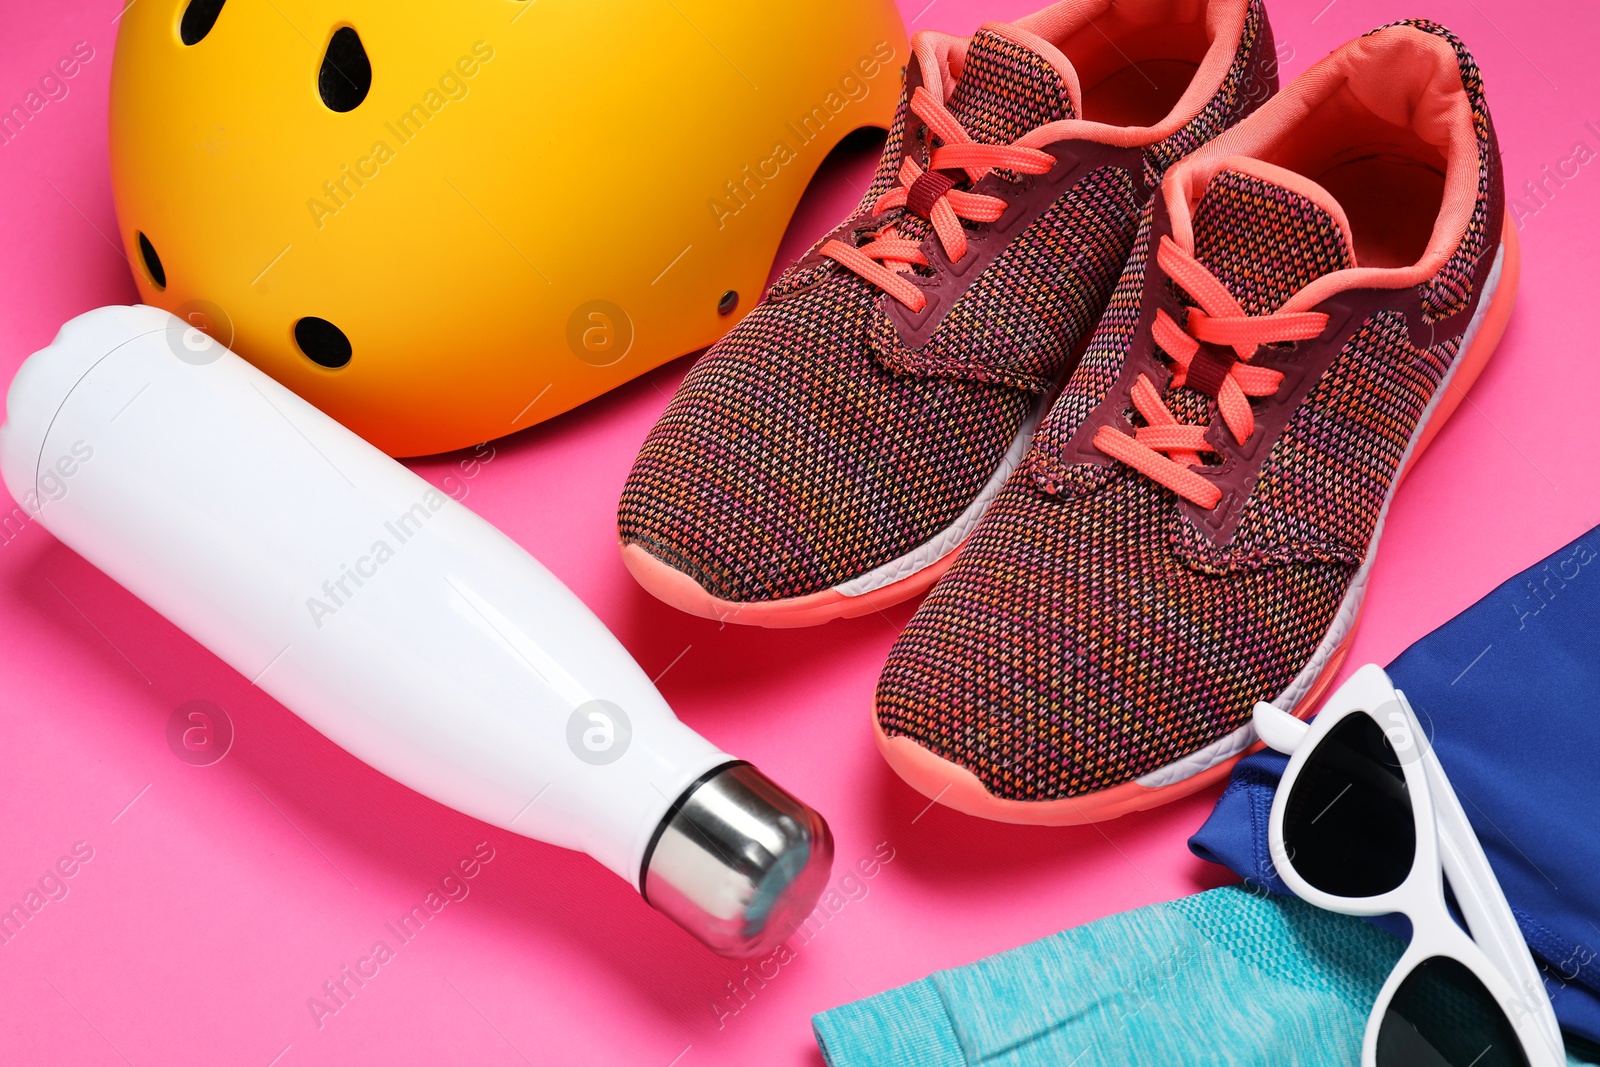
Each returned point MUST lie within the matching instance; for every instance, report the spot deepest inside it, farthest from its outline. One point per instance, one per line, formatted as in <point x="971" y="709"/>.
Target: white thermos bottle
<point x="391" y="618"/>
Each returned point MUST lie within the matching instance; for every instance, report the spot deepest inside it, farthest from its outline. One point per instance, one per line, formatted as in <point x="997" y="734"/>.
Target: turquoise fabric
<point x="1224" y="977"/>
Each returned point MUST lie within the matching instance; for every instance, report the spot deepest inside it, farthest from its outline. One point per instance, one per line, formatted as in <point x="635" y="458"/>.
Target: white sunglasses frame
<point x="1447" y="847"/>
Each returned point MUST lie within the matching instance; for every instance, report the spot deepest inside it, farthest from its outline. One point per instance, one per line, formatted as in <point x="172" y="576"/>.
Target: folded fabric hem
<point x="905" y="1025"/>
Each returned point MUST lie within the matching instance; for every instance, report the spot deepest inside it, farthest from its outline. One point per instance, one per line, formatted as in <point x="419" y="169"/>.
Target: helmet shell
<point x="484" y="212"/>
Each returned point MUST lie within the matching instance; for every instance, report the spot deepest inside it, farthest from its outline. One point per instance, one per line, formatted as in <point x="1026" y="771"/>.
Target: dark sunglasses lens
<point x="1442" y="1016"/>
<point x="1348" y="823"/>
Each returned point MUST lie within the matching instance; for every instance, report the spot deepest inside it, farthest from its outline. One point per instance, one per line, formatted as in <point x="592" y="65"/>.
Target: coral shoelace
<point x="931" y="194"/>
<point x="1227" y="377"/>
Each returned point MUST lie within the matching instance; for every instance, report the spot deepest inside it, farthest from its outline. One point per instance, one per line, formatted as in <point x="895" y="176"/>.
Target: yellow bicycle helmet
<point x="443" y="222"/>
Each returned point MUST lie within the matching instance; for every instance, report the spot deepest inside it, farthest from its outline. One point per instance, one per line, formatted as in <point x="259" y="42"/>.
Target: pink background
<point x="219" y="898"/>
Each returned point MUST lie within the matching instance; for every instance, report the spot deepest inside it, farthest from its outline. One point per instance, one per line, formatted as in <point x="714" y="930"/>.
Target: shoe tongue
<point x="1268" y="233"/>
<point x="1007" y="88"/>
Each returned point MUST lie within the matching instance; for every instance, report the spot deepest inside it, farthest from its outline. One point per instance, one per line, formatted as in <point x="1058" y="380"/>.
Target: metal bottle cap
<point x="738" y="862"/>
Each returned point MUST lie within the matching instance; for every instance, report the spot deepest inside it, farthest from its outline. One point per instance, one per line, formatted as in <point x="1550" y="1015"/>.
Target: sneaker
<point x="830" y="454"/>
<point x="1194" y="525"/>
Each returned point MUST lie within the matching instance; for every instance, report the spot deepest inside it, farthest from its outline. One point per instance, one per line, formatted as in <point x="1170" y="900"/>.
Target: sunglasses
<point x="1365" y="823"/>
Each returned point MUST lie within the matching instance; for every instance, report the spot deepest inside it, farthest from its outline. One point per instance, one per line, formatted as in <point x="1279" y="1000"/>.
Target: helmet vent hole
<point x="198" y="18"/>
<point x="346" y="75"/>
<point x="323" y="343"/>
<point x="152" y="262"/>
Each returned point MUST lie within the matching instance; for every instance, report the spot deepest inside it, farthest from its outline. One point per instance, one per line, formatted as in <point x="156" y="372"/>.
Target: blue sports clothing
<point x="1509" y="692"/>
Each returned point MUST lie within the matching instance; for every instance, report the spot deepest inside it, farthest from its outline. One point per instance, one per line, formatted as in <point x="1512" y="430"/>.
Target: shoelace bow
<point x="931" y="194"/>
<point x="1219" y="319"/>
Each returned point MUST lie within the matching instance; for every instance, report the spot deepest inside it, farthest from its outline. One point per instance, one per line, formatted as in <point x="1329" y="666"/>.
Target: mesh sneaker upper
<point x="774" y="473"/>
<point x="1088" y="634"/>
<point x="1069" y="649"/>
<point x="798" y="455"/>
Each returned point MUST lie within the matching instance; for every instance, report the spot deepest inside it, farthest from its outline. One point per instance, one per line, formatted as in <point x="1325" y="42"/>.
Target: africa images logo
<point x="342" y="588"/>
<point x="452" y="887"/>
<point x="854" y="86"/>
<point x="453" y="85"/>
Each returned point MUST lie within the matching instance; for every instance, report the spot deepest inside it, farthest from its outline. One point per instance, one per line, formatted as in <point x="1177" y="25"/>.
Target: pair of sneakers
<point x="1124" y="354"/>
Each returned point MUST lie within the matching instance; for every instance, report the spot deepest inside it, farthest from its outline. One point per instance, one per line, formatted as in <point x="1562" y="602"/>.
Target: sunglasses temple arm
<point x="1281" y="731"/>
<point x="1483" y="903"/>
